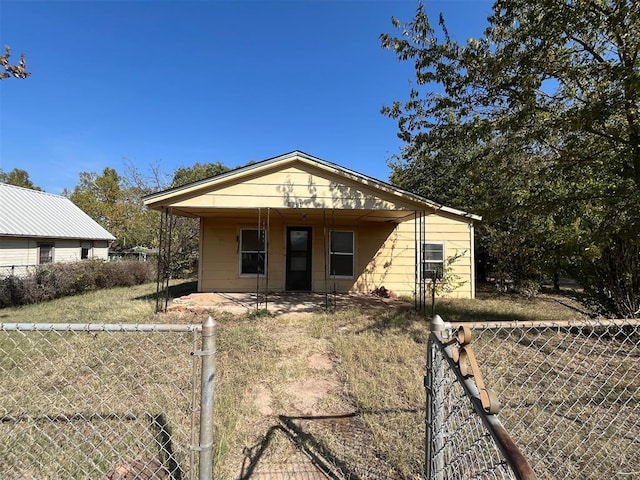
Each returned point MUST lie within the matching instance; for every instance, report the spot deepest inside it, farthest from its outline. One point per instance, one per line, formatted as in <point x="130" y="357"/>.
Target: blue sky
<point x="171" y="83"/>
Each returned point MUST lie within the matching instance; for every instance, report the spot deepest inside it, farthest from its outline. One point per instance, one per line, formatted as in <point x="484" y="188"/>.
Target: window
<point x="341" y="254"/>
<point x="432" y="260"/>
<point x="84" y="253"/>
<point x="252" y="252"/>
<point x="46" y="253"/>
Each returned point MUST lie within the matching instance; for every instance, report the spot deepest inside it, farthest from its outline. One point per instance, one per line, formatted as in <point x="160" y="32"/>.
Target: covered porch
<point x="315" y="257"/>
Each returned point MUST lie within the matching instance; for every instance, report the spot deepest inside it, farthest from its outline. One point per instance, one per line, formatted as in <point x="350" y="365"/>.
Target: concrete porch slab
<point x="281" y="303"/>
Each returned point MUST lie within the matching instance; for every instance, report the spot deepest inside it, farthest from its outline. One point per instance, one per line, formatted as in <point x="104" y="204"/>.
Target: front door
<point x="298" y="273"/>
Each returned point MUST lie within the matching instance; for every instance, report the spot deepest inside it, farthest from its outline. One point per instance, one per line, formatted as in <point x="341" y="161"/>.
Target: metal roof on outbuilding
<point x="31" y="213"/>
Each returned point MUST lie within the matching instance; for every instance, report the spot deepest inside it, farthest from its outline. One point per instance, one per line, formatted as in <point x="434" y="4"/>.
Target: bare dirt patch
<point x="320" y="361"/>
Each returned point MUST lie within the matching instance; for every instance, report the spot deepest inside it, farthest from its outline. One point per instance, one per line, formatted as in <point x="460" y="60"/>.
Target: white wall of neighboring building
<point x="16" y="251"/>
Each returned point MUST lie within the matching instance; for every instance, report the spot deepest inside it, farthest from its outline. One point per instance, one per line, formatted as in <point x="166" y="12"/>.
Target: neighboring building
<point x="298" y="223"/>
<point x="38" y="227"/>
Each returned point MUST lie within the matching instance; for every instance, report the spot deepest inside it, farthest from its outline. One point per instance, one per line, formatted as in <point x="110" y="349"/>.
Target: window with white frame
<point x="341" y="253"/>
<point x="432" y="260"/>
<point x="252" y="251"/>
<point x="45" y="253"/>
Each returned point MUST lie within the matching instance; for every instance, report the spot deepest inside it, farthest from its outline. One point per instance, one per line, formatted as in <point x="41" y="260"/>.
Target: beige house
<point x="298" y="223"/>
<point x="38" y="227"/>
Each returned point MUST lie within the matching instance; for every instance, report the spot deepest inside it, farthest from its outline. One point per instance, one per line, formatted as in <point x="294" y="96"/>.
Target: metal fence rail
<point x="101" y="401"/>
<point x="570" y="393"/>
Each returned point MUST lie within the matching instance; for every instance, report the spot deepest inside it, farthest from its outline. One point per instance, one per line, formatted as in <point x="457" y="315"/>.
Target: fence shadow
<point x="175" y="291"/>
<point x="321" y="457"/>
<point x="337" y="447"/>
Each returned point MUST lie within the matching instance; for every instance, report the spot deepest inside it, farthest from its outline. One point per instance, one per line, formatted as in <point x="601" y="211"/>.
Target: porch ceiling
<point x="312" y="215"/>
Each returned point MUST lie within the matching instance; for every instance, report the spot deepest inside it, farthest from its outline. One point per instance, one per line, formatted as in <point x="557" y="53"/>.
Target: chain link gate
<point x="106" y="401"/>
<point x="464" y="438"/>
<point x="570" y="395"/>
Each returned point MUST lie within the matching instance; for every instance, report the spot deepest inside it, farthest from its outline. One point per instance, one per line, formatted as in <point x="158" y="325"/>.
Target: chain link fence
<point x="16" y="270"/>
<point x="570" y="394"/>
<point x="116" y="401"/>
<point x="99" y="401"/>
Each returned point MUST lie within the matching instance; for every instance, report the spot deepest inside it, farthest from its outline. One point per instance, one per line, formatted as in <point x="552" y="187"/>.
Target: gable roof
<point x="167" y="197"/>
<point x="31" y="213"/>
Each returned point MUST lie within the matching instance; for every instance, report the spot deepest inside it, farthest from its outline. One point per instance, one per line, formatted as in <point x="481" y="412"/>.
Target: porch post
<point x="266" y="259"/>
<point x="258" y="266"/>
<point x="333" y="226"/>
<point x="325" y="252"/>
<point x="164" y="260"/>
<point x="416" y="289"/>
<point x="423" y="282"/>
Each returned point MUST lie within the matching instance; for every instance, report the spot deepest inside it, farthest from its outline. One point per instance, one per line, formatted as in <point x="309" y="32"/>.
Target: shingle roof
<point x="30" y="213"/>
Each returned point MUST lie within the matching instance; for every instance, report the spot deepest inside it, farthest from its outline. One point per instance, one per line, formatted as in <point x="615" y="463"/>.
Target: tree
<point x="115" y="201"/>
<point x="103" y="198"/>
<point x="199" y="171"/>
<point x="185" y="237"/>
<point x="19" y="178"/>
<point x="184" y="255"/>
<point x="9" y="70"/>
<point x="549" y="100"/>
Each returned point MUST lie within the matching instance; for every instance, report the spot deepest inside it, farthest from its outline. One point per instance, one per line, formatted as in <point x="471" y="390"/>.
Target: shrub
<point x="11" y="291"/>
<point x="48" y="282"/>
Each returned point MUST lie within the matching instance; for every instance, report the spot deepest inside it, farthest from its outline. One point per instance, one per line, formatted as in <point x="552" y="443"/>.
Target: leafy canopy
<point x="536" y="126"/>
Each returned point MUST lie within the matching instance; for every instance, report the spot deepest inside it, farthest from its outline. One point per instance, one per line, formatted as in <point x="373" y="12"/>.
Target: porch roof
<point x="297" y="184"/>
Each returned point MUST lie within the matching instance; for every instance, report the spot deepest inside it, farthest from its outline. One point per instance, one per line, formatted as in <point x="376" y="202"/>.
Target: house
<point x="38" y="227"/>
<point x="299" y="223"/>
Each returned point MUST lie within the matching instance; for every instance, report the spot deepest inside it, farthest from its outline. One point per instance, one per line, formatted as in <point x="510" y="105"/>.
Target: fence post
<point x="428" y="386"/>
<point x="434" y="443"/>
<point x="208" y="353"/>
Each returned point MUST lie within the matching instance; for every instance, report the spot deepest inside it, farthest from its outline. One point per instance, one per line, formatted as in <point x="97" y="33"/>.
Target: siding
<point x="18" y="251"/>
<point x="296" y="187"/>
<point x="457" y="238"/>
<point x="24" y="251"/>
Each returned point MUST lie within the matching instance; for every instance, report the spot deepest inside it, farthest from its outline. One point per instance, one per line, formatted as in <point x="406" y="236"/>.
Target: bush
<point x="48" y="282"/>
<point x="11" y="291"/>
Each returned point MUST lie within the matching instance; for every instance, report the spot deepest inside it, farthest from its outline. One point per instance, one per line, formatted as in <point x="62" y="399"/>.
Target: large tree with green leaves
<point x="184" y="244"/>
<point x="104" y="198"/>
<point x="115" y="201"/>
<point x="537" y="125"/>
